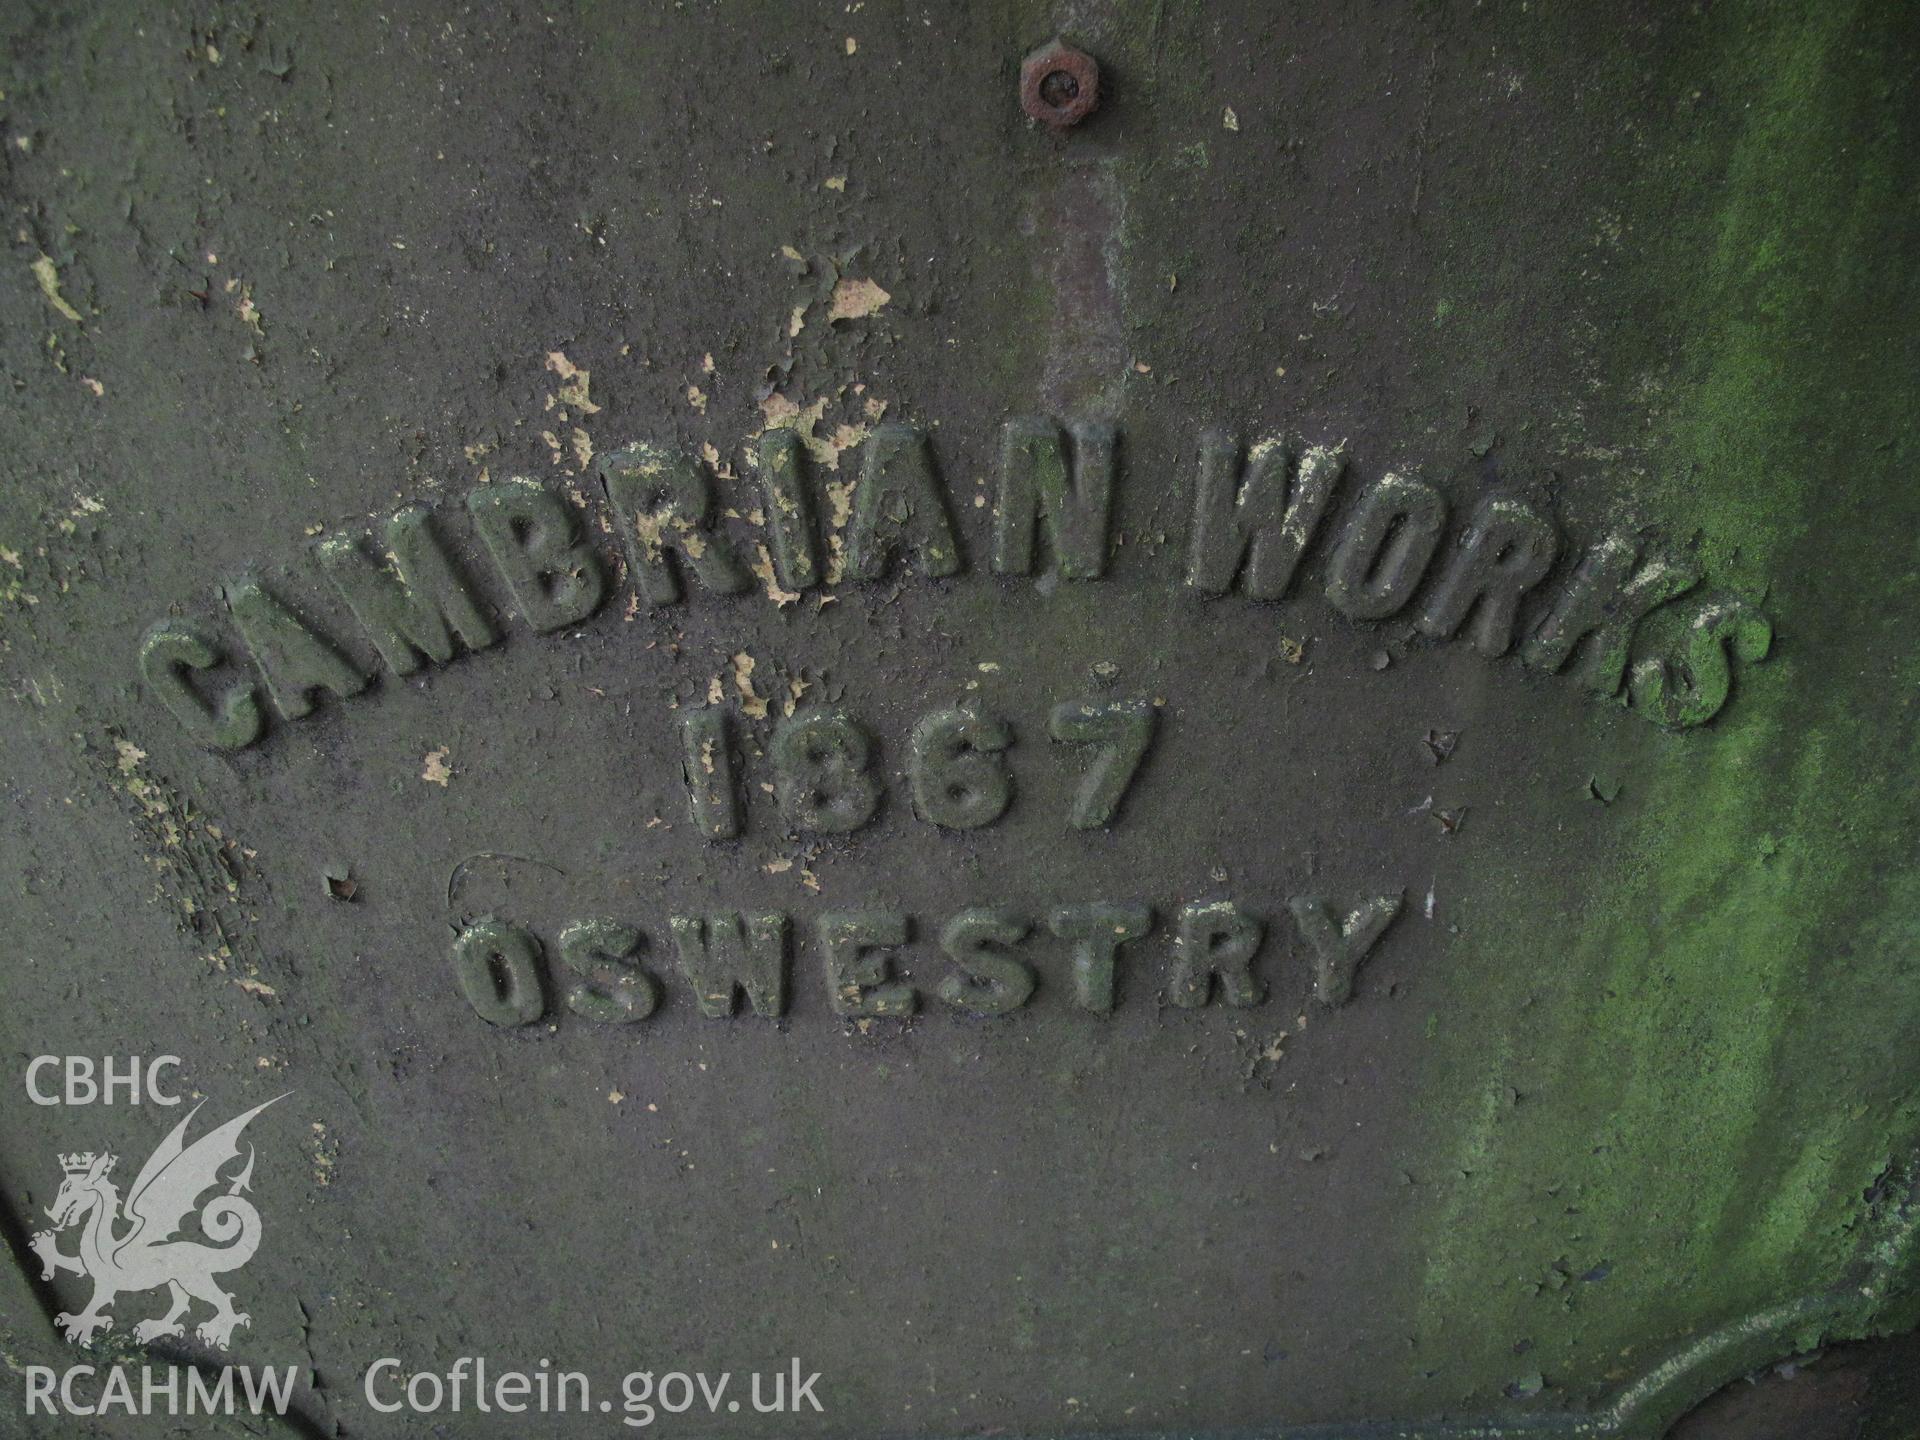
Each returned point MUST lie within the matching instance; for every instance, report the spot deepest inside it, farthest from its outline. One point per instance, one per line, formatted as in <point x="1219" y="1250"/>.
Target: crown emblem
<point x="77" y="1163"/>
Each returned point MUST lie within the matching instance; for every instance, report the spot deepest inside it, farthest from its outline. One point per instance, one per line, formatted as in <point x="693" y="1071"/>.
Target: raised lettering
<point x="612" y="986"/>
<point x="1340" y="943"/>
<point x="1098" y="931"/>
<point x="556" y="579"/>
<point x="1041" y="485"/>
<point x="1605" y="600"/>
<point x="791" y="528"/>
<point x="1689" y="691"/>
<point x="294" y="658"/>
<point x="663" y="506"/>
<point x="1249" y="522"/>
<point x="167" y="652"/>
<point x="713" y="795"/>
<point x="822" y="770"/>
<point x="987" y="980"/>
<point x="496" y="964"/>
<point x="899" y="502"/>
<point x="1378" y="564"/>
<point x="1506" y="550"/>
<point x="412" y="602"/>
<point x="1121" y="731"/>
<point x="957" y="770"/>
<point x="723" y="955"/>
<point x="860" y="979"/>
<point x="1215" y="940"/>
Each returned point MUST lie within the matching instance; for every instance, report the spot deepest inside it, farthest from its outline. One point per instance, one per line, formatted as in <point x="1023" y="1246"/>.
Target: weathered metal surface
<point x="1292" y="706"/>
<point x="1867" y="1390"/>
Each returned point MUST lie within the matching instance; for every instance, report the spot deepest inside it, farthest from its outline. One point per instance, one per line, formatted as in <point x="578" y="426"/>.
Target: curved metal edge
<point x="1893" y="1283"/>
<point x="1646" y="1409"/>
<point x="1881" y="1301"/>
<point x="1886" y="1299"/>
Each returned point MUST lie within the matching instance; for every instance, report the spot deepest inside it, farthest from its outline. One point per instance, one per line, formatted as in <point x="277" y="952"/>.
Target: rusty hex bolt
<point x="1059" y="85"/>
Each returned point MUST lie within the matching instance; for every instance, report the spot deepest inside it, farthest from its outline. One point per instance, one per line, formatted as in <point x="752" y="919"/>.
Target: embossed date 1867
<point x="826" y="780"/>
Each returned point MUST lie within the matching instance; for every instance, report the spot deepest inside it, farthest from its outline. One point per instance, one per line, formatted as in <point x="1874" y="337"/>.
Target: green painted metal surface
<point x="1246" y="765"/>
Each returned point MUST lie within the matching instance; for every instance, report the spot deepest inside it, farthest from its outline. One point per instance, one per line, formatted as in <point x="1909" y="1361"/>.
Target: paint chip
<point x="796" y="687"/>
<point x="434" y="769"/>
<point x="751" y="702"/>
<point x="574" y="383"/>
<point x="856" y="300"/>
<point x="763" y="567"/>
<point x="49" y="277"/>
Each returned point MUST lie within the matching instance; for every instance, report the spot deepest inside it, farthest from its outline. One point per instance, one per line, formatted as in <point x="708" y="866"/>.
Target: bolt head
<point x="1059" y="85"/>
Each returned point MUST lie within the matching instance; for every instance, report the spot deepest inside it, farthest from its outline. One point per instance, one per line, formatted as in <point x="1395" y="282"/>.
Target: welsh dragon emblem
<point x="135" y="1249"/>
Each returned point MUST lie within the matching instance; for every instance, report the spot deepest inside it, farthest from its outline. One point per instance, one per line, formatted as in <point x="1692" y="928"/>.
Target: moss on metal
<point x="1692" y="1062"/>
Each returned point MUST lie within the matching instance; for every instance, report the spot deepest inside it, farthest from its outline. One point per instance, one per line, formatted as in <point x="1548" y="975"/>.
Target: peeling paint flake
<point x="856" y="300"/>
<point x="752" y="703"/>
<point x="763" y="568"/>
<point x="797" y="686"/>
<point x="574" y="383"/>
<point x="249" y="312"/>
<point x="48" y="275"/>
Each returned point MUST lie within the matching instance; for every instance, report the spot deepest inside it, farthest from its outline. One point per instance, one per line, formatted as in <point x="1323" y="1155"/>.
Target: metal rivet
<point x="1059" y="85"/>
